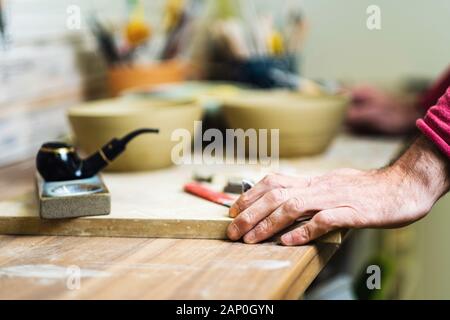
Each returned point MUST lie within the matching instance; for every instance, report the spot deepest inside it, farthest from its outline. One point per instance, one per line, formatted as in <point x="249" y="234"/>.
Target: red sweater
<point x="436" y="123"/>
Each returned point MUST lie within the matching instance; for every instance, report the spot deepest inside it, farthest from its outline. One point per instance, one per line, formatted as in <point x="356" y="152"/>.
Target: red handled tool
<point x="204" y="192"/>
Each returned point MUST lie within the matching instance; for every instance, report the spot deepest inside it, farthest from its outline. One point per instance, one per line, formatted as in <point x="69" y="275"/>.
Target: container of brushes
<point x="124" y="77"/>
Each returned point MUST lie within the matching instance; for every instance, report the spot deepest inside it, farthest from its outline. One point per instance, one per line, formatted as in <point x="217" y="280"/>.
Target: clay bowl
<point x="307" y="124"/>
<point x="95" y="123"/>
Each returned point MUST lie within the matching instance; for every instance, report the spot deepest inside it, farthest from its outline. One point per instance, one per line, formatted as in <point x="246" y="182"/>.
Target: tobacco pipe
<point x="58" y="161"/>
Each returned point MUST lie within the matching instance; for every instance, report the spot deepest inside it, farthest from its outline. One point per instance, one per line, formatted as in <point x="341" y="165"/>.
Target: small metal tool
<point x="237" y="185"/>
<point x="246" y="185"/>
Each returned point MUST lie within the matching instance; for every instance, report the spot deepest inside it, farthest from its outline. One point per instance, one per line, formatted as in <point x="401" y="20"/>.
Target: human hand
<point x="346" y="198"/>
<point x="374" y="110"/>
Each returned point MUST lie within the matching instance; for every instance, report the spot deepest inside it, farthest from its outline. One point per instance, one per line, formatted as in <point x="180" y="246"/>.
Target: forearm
<point x="423" y="171"/>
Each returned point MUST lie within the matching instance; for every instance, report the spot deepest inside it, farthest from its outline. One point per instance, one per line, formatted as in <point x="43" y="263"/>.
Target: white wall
<point x="42" y="19"/>
<point x="414" y="39"/>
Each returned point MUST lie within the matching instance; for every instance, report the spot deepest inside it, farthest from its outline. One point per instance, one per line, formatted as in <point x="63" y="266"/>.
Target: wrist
<point x="422" y="174"/>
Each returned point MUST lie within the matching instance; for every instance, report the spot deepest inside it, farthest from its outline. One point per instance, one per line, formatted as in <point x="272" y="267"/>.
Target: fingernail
<point x="233" y="231"/>
<point x="233" y="212"/>
<point x="250" y="237"/>
<point x="286" y="239"/>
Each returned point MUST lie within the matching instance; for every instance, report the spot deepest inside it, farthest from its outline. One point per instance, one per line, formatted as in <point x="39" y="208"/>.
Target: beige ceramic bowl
<point x="95" y="123"/>
<point x="307" y="124"/>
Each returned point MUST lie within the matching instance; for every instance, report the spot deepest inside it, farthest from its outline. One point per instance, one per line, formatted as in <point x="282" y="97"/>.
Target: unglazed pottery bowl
<point x="307" y="124"/>
<point x="95" y="123"/>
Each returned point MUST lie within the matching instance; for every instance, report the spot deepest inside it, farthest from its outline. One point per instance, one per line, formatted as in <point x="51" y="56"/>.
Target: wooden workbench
<point x="43" y="267"/>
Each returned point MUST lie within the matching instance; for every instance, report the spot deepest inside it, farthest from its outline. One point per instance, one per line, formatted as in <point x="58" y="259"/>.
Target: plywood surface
<point x="38" y="267"/>
<point x="143" y="205"/>
<point x="153" y="204"/>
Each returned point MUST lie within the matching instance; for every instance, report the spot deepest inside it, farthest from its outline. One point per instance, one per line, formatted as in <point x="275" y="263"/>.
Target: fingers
<point x="360" y="114"/>
<point x="272" y="181"/>
<point x="322" y="223"/>
<point x="274" y="211"/>
<point x="282" y="217"/>
<point x="363" y="92"/>
<point x="260" y="209"/>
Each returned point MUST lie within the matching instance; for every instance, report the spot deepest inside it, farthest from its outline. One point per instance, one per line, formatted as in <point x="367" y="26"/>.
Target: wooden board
<point x="143" y="205"/>
<point x="39" y="267"/>
<point x="153" y="204"/>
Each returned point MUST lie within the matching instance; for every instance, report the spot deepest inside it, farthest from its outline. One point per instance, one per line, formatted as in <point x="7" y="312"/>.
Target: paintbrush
<point x="230" y="33"/>
<point x="297" y="29"/>
<point x="2" y="22"/>
<point x="105" y="42"/>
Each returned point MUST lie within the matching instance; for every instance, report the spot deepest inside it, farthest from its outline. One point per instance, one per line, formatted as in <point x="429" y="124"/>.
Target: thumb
<point x="322" y="223"/>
